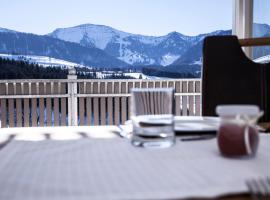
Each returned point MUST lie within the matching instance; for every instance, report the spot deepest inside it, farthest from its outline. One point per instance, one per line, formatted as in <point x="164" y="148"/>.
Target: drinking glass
<point x="152" y="117"/>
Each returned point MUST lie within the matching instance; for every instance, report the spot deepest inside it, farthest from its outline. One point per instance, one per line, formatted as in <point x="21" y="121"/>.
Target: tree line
<point x="13" y="69"/>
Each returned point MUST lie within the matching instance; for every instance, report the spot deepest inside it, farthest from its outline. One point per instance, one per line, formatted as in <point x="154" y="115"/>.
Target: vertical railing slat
<point x="48" y="105"/>
<point x="177" y="98"/>
<point x="110" y="103"/>
<point x="49" y="111"/>
<point x="157" y="84"/>
<point x="130" y="85"/>
<point x="26" y="110"/>
<point x="11" y="108"/>
<point x="3" y="113"/>
<point x="3" y="89"/>
<point x="26" y="113"/>
<point x="96" y="104"/>
<point x="18" y="113"/>
<point x="41" y="101"/>
<point x="102" y="104"/>
<point x="55" y="109"/>
<point x="116" y="104"/>
<point x="18" y="105"/>
<point x="184" y="99"/>
<point x="198" y="98"/>
<point x="150" y="84"/>
<point x="34" y="112"/>
<point x="171" y="84"/>
<point x="123" y="103"/>
<point x="34" y="89"/>
<point x="81" y="111"/>
<point x="191" y="98"/>
<point x="164" y="84"/>
<point x="143" y="84"/>
<point x="11" y="112"/>
<point x="88" y="104"/>
<point x="3" y="106"/>
<point x="81" y="104"/>
<point x="63" y="104"/>
<point x="137" y="84"/>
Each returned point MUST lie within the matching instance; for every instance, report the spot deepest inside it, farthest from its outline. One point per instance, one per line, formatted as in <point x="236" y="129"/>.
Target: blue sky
<point x="149" y="17"/>
<point x="261" y="11"/>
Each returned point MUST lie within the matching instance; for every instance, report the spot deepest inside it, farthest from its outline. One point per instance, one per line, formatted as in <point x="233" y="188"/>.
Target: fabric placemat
<point x="97" y="168"/>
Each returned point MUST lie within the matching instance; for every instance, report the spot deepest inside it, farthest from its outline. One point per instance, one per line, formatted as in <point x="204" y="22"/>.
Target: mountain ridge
<point x="107" y="47"/>
<point x="134" y="49"/>
<point x="31" y="44"/>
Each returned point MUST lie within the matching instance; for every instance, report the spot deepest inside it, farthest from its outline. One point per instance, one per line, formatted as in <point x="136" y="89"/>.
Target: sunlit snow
<point x="41" y="60"/>
<point x="168" y="59"/>
<point x="263" y="59"/>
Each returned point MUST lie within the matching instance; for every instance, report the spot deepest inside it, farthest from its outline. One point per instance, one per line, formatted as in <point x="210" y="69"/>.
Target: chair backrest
<point x="230" y="77"/>
<point x="152" y="101"/>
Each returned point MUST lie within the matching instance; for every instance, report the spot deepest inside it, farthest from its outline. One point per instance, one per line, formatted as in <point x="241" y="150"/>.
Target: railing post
<point x="72" y="99"/>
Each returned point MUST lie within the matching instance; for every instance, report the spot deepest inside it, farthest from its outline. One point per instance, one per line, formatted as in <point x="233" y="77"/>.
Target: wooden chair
<point x="230" y="77"/>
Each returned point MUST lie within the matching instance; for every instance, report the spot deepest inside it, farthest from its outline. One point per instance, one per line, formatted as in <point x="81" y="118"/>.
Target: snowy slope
<point x="168" y="59"/>
<point x="130" y="48"/>
<point x="100" y="35"/>
<point x="263" y="59"/>
<point x="259" y="30"/>
<point x="41" y="60"/>
<point x="133" y="49"/>
<point x="4" y="30"/>
<point x="97" y="35"/>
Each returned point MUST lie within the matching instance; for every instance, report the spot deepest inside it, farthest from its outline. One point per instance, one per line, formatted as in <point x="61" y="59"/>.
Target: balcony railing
<point x="74" y="101"/>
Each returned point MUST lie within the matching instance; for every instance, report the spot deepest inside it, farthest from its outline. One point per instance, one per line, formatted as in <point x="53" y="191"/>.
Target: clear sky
<point x="261" y="11"/>
<point x="149" y="17"/>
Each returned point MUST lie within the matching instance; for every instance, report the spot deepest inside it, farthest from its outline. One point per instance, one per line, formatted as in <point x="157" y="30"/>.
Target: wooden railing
<point x="84" y="102"/>
<point x="248" y="42"/>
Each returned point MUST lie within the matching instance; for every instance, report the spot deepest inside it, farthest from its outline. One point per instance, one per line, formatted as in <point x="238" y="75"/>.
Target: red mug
<point x="237" y="140"/>
<point x="237" y="134"/>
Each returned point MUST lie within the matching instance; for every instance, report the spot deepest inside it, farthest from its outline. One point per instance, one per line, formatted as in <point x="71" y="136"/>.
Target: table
<point x="94" y="163"/>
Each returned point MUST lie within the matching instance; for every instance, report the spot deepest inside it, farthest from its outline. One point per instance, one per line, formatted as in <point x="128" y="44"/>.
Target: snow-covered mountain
<point x="4" y="30"/>
<point x="131" y="48"/>
<point x="41" y="60"/>
<point x="106" y="47"/>
<point x="193" y="55"/>
<point x="12" y="42"/>
<point x="259" y="30"/>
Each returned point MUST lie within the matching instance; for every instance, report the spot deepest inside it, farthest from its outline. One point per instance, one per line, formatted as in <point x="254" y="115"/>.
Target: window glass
<point x="146" y="39"/>
<point x="261" y="28"/>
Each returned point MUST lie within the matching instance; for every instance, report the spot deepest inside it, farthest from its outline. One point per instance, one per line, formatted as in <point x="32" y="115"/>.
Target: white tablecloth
<point x="65" y="165"/>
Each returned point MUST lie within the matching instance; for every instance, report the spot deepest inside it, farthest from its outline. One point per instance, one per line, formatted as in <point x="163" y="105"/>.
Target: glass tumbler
<point x="152" y="117"/>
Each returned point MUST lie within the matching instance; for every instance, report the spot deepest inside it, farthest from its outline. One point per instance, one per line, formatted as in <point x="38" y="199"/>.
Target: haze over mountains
<point x="104" y="46"/>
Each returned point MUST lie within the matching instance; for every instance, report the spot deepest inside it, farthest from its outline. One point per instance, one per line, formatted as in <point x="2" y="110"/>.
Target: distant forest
<point x="159" y="72"/>
<point x="12" y="69"/>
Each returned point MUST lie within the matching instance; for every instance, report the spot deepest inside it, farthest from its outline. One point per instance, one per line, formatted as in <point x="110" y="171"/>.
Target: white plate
<point x="196" y="124"/>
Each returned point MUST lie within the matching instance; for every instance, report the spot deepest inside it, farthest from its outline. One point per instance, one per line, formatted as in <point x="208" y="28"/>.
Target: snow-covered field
<point x="41" y="60"/>
<point x="263" y="59"/>
<point x="48" y="61"/>
<point x="136" y="75"/>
